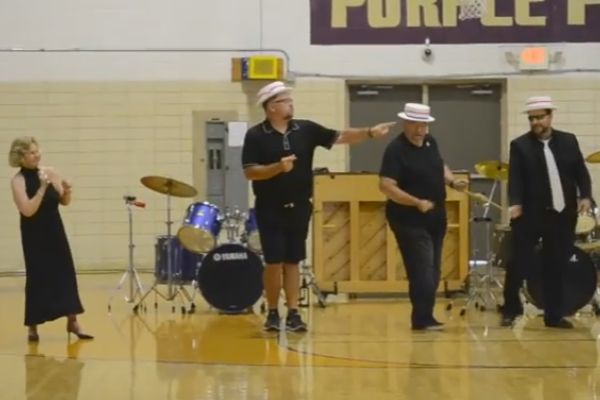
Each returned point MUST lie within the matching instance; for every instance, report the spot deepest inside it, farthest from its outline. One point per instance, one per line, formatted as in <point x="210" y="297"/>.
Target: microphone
<point x="42" y="175"/>
<point x="133" y="200"/>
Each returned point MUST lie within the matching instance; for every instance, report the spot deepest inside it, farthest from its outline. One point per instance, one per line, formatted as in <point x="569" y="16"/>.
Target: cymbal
<point x="493" y="169"/>
<point x="593" y="158"/>
<point x="168" y="186"/>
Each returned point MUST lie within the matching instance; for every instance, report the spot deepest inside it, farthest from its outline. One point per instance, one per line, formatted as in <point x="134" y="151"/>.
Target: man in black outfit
<point x="546" y="172"/>
<point x="413" y="176"/>
<point x="277" y="157"/>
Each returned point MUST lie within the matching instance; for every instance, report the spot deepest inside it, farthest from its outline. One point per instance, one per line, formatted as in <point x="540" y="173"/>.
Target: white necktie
<point x="558" y="198"/>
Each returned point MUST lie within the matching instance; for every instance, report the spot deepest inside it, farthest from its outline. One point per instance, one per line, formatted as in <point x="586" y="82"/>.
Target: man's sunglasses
<point x="539" y="117"/>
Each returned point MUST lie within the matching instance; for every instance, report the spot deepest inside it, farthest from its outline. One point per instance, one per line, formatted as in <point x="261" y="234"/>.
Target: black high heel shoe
<point x="79" y="335"/>
<point x="33" y="337"/>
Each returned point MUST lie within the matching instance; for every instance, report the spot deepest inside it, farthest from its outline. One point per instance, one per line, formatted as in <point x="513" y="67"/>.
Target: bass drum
<point x="579" y="281"/>
<point x="230" y="278"/>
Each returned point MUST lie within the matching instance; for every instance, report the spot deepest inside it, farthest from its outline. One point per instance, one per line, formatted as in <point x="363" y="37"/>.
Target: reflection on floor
<point x="355" y="350"/>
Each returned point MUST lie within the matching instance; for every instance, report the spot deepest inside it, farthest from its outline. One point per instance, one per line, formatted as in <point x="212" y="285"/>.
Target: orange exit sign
<point x="534" y="58"/>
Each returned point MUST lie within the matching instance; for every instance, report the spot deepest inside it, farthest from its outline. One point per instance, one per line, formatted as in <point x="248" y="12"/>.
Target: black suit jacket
<point x="529" y="184"/>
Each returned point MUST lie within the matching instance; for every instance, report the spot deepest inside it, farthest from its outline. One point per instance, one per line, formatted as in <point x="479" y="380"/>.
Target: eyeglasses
<point x="286" y="142"/>
<point x="538" y="117"/>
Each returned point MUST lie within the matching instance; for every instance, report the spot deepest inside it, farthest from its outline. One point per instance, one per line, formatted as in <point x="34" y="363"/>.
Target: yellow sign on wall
<point x="263" y="67"/>
<point x="257" y="68"/>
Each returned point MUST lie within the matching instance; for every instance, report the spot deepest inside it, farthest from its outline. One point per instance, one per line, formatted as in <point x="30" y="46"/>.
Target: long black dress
<point x="51" y="286"/>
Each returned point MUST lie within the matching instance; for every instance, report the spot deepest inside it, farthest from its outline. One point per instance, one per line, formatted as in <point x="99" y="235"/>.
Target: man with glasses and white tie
<point x="548" y="185"/>
<point x="277" y="157"/>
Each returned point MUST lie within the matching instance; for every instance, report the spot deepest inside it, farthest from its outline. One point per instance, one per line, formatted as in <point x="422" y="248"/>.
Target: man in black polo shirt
<point x="413" y="177"/>
<point x="277" y="157"/>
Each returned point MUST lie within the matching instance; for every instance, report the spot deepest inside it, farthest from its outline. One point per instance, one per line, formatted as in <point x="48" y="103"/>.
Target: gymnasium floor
<point x="354" y="350"/>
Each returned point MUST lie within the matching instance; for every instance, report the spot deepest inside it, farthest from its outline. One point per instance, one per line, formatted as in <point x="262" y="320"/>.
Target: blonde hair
<point x="18" y="148"/>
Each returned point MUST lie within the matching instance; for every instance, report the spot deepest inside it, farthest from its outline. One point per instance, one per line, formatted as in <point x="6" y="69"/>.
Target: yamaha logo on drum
<point x="230" y="256"/>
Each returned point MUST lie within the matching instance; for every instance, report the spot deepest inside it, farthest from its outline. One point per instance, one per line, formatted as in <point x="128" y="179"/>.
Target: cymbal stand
<point x="169" y="222"/>
<point x="135" y="285"/>
<point x="482" y="288"/>
<point x="490" y="277"/>
<point x="171" y="292"/>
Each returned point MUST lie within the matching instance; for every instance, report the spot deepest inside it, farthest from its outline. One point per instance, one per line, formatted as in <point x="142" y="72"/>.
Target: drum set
<point x="580" y="283"/>
<point x="226" y="270"/>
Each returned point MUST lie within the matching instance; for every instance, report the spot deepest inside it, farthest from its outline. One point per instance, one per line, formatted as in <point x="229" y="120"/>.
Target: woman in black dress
<point x="51" y="286"/>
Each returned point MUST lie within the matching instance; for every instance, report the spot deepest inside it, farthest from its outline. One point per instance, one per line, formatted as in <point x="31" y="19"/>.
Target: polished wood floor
<point x="354" y="350"/>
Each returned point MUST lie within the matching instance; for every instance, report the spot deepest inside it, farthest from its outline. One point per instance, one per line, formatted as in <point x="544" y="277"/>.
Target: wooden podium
<point x="354" y="250"/>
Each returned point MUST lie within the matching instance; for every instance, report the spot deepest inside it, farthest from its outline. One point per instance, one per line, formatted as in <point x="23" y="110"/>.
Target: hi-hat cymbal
<point x="593" y="158"/>
<point x="168" y="186"/>
<point x="493" y="169"/>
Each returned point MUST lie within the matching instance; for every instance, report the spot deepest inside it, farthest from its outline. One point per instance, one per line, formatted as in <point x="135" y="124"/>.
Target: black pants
<point x="421" y="249"/>
<point x="283" y="229"/>
<point x="557" y="231"/>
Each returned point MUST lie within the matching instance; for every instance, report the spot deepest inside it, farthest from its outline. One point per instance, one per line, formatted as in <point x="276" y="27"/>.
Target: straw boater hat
<point x="271" y="90"/>
<point x="539" y="103"/>
<point x="416" y="112"/>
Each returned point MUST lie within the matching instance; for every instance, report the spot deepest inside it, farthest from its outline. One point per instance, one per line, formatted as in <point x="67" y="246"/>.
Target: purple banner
<point x="411" y="21"/>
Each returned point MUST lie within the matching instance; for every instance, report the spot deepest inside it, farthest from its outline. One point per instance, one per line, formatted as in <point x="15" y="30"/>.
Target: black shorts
<point x="283" y="230"/>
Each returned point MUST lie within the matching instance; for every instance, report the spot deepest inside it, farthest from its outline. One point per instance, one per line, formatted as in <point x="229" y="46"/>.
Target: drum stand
<point x="308" y="284"/>
<point x="232" y="221"/>
<point x="172" y="292"/>
<point x="135" y="285"/>
<point x="483" y="289"/>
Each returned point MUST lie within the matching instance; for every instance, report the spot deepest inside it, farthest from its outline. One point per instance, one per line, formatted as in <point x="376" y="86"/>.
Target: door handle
<point x="219" y="160"/>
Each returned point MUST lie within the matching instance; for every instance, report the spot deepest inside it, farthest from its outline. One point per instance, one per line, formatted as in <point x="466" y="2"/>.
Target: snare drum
<point x="578" y="284"/>
<point x="230" y="278"/>
<point x="252" y="235"/>
<point x="184" y="265"/>
<point x="200" y="228"/>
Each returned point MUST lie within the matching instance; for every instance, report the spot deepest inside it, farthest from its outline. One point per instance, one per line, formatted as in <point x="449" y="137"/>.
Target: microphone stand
<point x="135" y="285"/>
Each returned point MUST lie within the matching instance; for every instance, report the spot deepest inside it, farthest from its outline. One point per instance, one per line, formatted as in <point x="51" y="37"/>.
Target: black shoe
<point x="508" y="320"/>
<point x="294" y="322"/>
<point x="561" y="324"/>
<point x="435" y="322"/>
<point x="432" y="325"/>
<point x="272" y="322"/>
